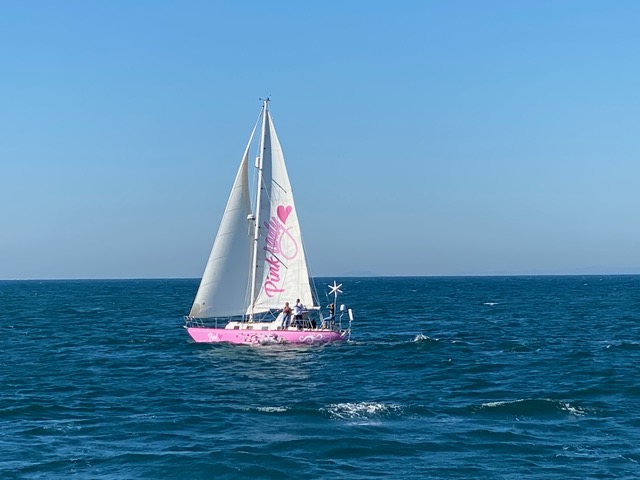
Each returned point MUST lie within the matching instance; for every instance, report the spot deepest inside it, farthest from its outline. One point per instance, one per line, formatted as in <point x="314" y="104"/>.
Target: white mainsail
<point x="223" y="288"/>
<point x="281" y="266"/>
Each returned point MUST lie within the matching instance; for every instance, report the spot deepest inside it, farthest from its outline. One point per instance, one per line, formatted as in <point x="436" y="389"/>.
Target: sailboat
<point x="256" y="287"/>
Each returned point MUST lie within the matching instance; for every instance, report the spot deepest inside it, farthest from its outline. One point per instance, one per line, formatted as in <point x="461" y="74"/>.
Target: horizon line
<point x="471" y="275"/>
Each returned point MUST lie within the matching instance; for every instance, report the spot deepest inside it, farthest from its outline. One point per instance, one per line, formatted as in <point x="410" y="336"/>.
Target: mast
<point x="256" y="234"/>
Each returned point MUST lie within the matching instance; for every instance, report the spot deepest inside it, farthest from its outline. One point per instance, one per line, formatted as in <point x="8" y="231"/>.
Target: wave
<point x="396" y="342"/>
<point x="512" y="346"/>
<point x="89" y="311"/>
<point x="528" y="407"/>
<point x="623" y="345"/>
<point x="362" y="410"/>
<point x="491" y="304"/>
<point x="423" y="338"/>
<point x="278" y="409"/>
<point x="352" y="411"/>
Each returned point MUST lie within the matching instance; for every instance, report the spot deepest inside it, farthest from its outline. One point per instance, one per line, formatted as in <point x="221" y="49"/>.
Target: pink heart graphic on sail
<point x="280" y="247"/>
<point x="284" y="212"/>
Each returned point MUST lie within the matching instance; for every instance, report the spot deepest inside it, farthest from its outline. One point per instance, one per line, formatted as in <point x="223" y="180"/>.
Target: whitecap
<point x="532" y="406"/>
<point x="423" y="338"/>
<point x="573" y="410"/>
<point x="272" y="409"/>
<point x="62" y="426"/>
<point x="361" y="410"/>
<point x="496" y="404"/>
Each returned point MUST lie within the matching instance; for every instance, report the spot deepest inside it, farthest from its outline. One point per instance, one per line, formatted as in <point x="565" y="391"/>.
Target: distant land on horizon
<point x="498" y="273"/>
<point x="363" y="273"/>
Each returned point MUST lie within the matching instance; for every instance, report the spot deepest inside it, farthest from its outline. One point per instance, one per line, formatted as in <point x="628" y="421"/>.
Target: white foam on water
<point x="422" y="338"/>
<point x="361" y="410"/>
<point x="272" y="409"/>
<point x="496" y="404"/>
<point x="567" y="407"/>
<point x="62" y="426"/>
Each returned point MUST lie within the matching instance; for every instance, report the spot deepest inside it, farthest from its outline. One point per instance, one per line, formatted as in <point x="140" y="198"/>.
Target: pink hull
<point x="258" y="337"/>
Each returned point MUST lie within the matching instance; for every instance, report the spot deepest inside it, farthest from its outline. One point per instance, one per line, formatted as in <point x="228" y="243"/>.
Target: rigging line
<point x="281" y="262"/>
<point x="254" y="179"/>
<point x="312" y="283"/>
<point x="267" y="193"/>
<point x="252" y="200"/>
<point x="254" y="271"/>
<point x="279" y="186"/>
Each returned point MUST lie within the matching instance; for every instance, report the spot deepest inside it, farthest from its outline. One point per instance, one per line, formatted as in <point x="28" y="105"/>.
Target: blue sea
<point x="444" y="378"/>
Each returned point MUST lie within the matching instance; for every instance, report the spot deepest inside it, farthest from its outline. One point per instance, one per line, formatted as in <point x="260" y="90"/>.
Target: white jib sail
<point x="223" y="289"/>
<point x="281" y="274"/>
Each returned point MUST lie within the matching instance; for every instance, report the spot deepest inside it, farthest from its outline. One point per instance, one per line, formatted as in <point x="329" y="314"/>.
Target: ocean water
<point x="465" y="378"/>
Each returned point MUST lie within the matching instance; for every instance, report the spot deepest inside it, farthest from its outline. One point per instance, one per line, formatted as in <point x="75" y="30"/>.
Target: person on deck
<point x="287" y="314"/>
<point x="297" y="312"/>
<point x="329" y="320"/>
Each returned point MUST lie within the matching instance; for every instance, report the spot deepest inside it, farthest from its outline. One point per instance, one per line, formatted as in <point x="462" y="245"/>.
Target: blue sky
<point x="422" y="138"/>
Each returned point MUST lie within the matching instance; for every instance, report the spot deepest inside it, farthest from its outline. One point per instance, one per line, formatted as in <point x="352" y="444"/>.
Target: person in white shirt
<point x="297" y="312"/>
